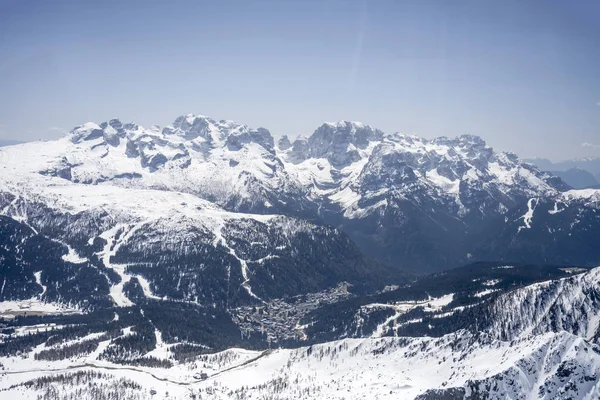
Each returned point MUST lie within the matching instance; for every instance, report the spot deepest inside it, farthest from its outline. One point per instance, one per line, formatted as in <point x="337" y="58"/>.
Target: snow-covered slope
<point x="456" y="366"/>
<point x="506" y="301"/>
<point x="136" y="251"/>
<point x="569" y="304"/>
<point x="223" y="162"/>
<point x="535" y="341"/>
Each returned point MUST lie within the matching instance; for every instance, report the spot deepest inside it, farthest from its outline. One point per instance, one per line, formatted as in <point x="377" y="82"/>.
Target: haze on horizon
<point x="522" y="75"/>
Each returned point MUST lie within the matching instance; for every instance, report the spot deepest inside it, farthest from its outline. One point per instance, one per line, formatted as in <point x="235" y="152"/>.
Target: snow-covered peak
<point x="87" y="131"/>
<point x="197" y="132"/>
<point x="343" y="124"/>
<point x="111" y="132"/>
<point x="203" y="129"/>
<point x="346" y="169"/>
<point x="192" y="126"/>
<point x="341" y="143"/>
<point x="343" y="161"/>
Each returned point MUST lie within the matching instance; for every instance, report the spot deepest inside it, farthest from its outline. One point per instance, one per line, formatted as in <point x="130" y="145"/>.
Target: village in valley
<point x="279" y="319"/>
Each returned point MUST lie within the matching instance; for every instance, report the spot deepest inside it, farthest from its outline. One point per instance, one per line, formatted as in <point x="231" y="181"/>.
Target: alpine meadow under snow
<point x="205" y="260"/>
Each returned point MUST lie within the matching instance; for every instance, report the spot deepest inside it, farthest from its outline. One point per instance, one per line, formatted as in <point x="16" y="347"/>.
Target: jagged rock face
<point x="284" y="143"/>
<point x="339" y="162"/>
<point x="459" y="171"/>
<point x="192" y="127"/>
<point x="387" y="168"/>
<point x="341" y="143"/>
<point x="298" y="150"/>
<point x="237" y="140"/>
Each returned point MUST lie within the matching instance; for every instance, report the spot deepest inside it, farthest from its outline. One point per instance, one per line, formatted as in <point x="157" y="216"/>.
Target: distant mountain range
<point x="580" y="173"/>
<point x="578" y="178"/>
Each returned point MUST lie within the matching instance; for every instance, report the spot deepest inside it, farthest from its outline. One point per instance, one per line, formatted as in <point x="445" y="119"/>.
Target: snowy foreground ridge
<point x="532" y="365"/>
<point x="548" y="366"/>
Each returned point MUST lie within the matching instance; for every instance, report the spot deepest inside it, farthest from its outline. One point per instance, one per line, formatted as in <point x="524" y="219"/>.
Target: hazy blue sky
<point x="524" y="75"/>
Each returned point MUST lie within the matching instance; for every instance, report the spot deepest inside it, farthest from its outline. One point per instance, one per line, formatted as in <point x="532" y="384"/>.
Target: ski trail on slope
<point x="72" y="256"/>
<point x="219" y="239"/>
<point x="382" y="328"/>
<point x="110" y="249"/>
<point x="38" y="280"/>
<point x="431" y="304"/>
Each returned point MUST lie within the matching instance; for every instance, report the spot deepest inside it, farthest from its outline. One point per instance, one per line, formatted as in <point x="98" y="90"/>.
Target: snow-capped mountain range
<point x="229" y="164"/>
<point x="348" y="164"/>
<point x="413" y="203"/>
<point x="357" y="168"/>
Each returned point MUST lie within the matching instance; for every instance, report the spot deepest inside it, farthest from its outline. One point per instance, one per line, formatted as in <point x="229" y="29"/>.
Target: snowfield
<point x="545" y="367"/>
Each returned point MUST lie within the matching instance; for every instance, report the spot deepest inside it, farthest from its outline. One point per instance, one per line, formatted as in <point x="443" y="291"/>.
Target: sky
<point x="525" y="76"/>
